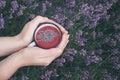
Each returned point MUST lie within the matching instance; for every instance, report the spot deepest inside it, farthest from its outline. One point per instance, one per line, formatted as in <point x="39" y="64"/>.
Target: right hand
<point x="42" y="57"/>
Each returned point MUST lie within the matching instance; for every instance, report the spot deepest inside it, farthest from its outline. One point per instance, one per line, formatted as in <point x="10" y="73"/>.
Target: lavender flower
<point x="25" y="78"/>
<point x="79" y="39"/>
<point x="21" y="9"/>
<point x="92" y="57"/>
<point x="68" y="75"/>
<point x="85" y="75"/>
<point x="93" y="34"/>
<point x="99" y="34"/>
<point x="69" y="24"/>
<point x="59" y="10"/>
<point x="48" y="74"/>
<point x="106" y="75"/>
<point x="93" y="13"/>
<point x="69" y="54"/>
<point x="59" y="17"/>
<point x="54" y="73"/>
<point x="13" y="78"/>
<point x="99" y="51"/>
<point x="14" y="5"/>
<point x="114" y="51"/>
<point x="116" y="62"/>
<point x="28" y="1"/>
<point x="60" y="62"/>
<point x="34" y="6"/>
<point x="70" y="3"/>
<point x="2" y="3"/>
<point x="44" y="8"/>
<point x="48" y="4"/>
<point x="20" y="13"/>
<point x="118" y="36"/>
<point x="83" y="52"/>
<point x="31" y="16"/>
<point x="2" y="21"/>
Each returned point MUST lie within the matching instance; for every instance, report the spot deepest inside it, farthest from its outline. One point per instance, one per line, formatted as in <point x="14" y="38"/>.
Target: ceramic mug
<point x="47" y="35"/>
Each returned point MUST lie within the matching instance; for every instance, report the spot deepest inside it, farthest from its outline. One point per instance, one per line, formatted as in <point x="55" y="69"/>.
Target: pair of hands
<point x="34" y="55"/>
<point x="22" y="55"/>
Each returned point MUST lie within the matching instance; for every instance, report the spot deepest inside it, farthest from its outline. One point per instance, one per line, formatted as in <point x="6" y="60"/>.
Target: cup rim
<point x="39" y="25"/>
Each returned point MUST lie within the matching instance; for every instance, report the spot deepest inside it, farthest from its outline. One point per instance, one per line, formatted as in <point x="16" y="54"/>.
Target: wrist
<point x="9" y="66"/>
<point x="16" y="60"/>
<point x="21" y="40"/>
<point x="20" y="58"/>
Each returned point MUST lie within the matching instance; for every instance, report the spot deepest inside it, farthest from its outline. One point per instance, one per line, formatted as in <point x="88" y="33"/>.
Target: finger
<point x="65" y="44"/>
<point x="39" y="19"/>
<point x="62" y="45"/>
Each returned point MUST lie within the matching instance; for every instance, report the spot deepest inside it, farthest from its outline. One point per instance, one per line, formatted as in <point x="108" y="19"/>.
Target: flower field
<point x="93" y="52"/>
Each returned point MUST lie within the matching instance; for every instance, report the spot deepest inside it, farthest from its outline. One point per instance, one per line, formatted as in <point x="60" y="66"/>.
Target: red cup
<point x="47" y="35"/>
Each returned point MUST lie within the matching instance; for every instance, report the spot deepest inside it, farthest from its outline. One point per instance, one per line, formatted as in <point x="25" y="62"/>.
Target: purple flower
<point x="21" y="9"/>
<point x="2" y="3"/>
<point x="28" y="1"/>
<point x="2" y="22"/>
<point x="69" y="24"/>
<point x="54" y="73"/>
<point x="70" y="58"/>
<point x="93" y="34"/>
<point x="93" y="13"/>
<point x="60" y="18"/>
<point x="99" y="51"/>
<point x="116" y="62"/>
<point x="79" y="33"/>
<point x="114" y="51"/>
<point x="48" y="4"/>
<point x="59" y="10"/>
<point x="92" y="57"/>
<point x="79" y="39"/>
<point x="31" y="16"/>
<point x="14" y="5"/>
<point x="20" y="13"/>
<point x="34" y="6"/>
<point x="83" y="52"/>
<point x="118" y="36"/>
<point x="68" y="75"/>
<point x="69" y="54"/>
<point x="99" y="34"/>
<point x="106" y="75"/>
<point x="13" y="78"/>
<point x="44" y="8"/>
<point x="25" y="78"/>
<point x="48" y="74"/>
<point x="85" y="75"/>
<point x="117" y="26"/>
<point x="60" y="62"/>
<point x="70" y="3"/>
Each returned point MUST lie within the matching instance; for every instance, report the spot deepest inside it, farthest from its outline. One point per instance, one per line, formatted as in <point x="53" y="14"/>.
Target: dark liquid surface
<point x="48" y="37"/>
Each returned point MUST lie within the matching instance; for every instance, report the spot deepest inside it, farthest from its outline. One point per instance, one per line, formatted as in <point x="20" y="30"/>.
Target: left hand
<point x="27" y="33"/>
<point x="29" y="28"/>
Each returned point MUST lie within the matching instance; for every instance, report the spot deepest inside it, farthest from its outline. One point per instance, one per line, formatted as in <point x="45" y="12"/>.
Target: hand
<point x="27" y="33"/>
<point x="42" y="57"/>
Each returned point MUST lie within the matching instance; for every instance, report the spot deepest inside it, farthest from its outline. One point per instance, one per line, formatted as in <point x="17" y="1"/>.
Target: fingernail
<point x="67" y="41"/>
<point x="66" y="32"/>
<point x="68" y="35"/>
